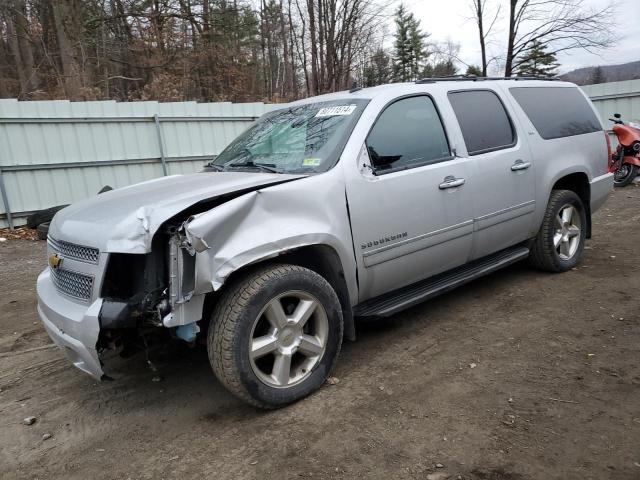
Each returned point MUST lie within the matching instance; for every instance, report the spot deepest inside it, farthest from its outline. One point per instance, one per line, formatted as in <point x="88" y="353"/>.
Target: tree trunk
<point x="285" y="88"/>
<point x="263" y="48"/>
<point x="508" y="66"/>
<point x="15" y="51"/>
<point x="69" y="68"/>
<point x="322" y="56"/>
<point x="313" y="84"/>
<point x="26" y="52"/>
<point x="483" y="49"/>
<point x="294" y="80"/>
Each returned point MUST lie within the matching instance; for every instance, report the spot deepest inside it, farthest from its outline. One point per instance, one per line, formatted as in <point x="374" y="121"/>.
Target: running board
<point x="397" y="300"/>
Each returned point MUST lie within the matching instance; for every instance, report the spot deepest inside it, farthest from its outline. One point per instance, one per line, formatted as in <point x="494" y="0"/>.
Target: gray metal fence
<point x="616" y="97"/>
<point x="58" y="152"/>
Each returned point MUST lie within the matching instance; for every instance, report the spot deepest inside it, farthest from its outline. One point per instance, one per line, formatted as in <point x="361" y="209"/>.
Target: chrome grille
<point x="77" y="252"/>
<point x="74" y="284"/>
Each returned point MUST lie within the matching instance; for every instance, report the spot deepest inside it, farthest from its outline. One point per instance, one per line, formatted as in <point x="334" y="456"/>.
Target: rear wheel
<point x="275" y="335"/>
<point x="560" y="241"/>
<point x="625" y="174"/>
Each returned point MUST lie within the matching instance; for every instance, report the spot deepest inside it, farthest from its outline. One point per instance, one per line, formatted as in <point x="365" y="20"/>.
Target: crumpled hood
<point x="125" y="220"/>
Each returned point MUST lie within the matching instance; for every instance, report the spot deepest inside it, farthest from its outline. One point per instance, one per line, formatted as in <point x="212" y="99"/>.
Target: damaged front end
<point x="159" y="280"/>
<point x="142" y="292"/>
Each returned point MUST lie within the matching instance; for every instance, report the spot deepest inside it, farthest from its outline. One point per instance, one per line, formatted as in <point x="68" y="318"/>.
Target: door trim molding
<point x="417" y="243"/>
<point x="500" y="216"/>
<point x="376" y="256"/>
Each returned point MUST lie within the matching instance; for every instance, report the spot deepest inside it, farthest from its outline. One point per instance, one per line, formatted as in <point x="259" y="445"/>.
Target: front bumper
<point x="73" y="326"/>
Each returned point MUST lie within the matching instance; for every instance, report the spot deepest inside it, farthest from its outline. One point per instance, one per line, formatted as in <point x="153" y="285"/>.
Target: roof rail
<point x="473" y="78"/>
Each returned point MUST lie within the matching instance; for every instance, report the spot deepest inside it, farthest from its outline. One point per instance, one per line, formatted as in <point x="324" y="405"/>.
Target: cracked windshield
<point x="300" y="139"/>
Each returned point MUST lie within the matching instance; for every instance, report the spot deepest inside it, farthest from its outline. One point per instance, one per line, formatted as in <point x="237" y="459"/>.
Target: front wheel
<point x="275" y="335"/>
<point x="559" y="244"/>
<point x="624" y="174"/>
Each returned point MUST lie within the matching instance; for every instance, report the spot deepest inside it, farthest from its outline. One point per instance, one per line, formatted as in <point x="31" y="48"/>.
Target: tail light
<point x="609" y="156"/>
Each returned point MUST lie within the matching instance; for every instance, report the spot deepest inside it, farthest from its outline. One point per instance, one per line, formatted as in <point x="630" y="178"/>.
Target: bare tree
<point x="172" y="50"/>
<point x="559" y="25"/>
<point x="339" y="33"/>
<point x="479" y="8"/>
<point x="17" y="22"/>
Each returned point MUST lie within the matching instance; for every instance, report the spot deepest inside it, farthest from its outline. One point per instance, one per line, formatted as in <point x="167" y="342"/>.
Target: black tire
<point x="231" y="329"/>
<point x="43" y="230"/>
<point x="42" y="216"/>
<point x="544" y="254"/>
<point x="623" y="178"/>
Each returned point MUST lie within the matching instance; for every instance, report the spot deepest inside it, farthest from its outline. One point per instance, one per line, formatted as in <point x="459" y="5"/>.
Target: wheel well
<point x="321" y="259"/>
<point x="578" y="183"/>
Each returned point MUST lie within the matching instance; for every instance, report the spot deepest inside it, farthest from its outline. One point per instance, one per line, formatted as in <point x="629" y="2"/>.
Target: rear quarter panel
<point x="559" y="157"/>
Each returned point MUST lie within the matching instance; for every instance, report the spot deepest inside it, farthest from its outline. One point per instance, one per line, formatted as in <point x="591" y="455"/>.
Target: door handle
<point x="520" y="165"/>
<point x="451" y="182"/>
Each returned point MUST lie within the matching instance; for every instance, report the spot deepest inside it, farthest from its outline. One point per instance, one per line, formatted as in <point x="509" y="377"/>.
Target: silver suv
<point x="357" y="203"/>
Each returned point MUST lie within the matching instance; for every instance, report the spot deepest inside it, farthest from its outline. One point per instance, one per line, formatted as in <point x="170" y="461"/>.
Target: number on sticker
<point x="337" y="110"/>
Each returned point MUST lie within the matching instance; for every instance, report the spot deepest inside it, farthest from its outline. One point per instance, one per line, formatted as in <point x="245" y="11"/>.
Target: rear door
<point x="503" y="182"/>
<point x="411" y="207"/>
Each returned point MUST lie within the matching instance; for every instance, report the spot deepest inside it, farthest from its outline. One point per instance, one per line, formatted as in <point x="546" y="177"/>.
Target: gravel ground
<point x="522" y="375"/>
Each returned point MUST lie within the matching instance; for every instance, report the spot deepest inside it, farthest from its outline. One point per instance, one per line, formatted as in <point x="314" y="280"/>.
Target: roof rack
<point x="473" y="78"/>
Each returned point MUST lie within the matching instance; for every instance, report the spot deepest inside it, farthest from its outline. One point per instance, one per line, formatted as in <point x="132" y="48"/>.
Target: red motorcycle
<point x="625" y="161"/>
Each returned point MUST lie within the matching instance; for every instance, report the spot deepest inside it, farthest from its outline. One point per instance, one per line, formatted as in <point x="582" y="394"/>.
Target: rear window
<point x="557" y="111"/>
<point x="483" y="120"/>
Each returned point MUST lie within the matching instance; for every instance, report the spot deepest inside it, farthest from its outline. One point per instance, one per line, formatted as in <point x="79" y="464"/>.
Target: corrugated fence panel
<point x="59" y="152"/>
<point x="616" y="97"/>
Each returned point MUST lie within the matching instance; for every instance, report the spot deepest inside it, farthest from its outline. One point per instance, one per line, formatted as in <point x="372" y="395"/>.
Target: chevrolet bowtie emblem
<point x="55" y="261"/>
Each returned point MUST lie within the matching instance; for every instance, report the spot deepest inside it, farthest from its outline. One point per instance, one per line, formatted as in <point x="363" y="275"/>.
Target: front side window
<point x="408" y="133"/>
<point x="301" y="139"/>
<point x="557" y="111"/>
<point x="483" y="120"/>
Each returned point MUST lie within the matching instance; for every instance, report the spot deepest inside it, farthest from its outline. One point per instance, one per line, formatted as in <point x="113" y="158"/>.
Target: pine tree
<point x="444" y="68"/>
<point x="537" y="62"/>
<point x="474" y="70"/>
<point x="409" y="46"/>
<point x="378" y="69"/>
<point x="597" y="76"/>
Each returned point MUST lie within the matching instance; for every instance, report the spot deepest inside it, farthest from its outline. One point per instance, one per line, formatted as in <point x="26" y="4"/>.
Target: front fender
<point x="266" y="223"/>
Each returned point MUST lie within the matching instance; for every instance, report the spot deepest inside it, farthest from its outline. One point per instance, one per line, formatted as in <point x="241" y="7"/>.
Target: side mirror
<point x="617" y="115"/>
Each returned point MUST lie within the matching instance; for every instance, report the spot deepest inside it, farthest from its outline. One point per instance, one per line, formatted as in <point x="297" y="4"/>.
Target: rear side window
<point x="408" y="133"/>
<point x="556" y="111"/>
<point x="483" y="120"/>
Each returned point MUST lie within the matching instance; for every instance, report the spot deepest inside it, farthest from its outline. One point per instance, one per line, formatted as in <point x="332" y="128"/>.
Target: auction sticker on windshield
<point x="336" y="110"/>
<point x="311" y="162"/>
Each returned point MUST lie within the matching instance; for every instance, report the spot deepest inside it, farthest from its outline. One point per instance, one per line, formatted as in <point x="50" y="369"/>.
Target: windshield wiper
<point x="214" y="166"/>
<point x="266" y="167"/>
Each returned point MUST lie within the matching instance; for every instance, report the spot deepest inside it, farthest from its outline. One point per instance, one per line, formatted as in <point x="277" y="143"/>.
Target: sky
<point x="452" y="19"/>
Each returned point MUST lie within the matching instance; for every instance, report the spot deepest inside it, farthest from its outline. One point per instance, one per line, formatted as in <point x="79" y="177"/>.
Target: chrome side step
<point x="397" y="300"/>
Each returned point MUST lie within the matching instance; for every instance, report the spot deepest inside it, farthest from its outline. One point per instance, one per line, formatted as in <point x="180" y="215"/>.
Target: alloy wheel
<point x="288" y="339"/>
<point x="566" y="238"/>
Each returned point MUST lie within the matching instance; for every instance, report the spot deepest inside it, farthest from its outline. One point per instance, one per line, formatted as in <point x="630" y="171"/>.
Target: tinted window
<point x="408" y="133"/>
<point x="483" y="120"/>
<point x="556" y="111"/>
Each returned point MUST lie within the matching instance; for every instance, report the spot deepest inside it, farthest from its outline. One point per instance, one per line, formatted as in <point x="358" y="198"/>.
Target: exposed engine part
<point x="188" y="332"/>
<point x="185" y="308"/>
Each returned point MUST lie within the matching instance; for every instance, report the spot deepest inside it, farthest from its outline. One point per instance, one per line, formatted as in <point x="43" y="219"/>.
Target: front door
<point x="411" y="208"/>
<point x="504" y="188"/>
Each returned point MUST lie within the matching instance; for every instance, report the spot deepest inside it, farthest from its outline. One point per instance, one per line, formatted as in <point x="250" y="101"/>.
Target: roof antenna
<point x="354" y="87"/>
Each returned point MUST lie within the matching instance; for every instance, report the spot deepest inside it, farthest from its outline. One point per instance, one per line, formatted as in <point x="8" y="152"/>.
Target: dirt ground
<point x="521" y="375"/>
